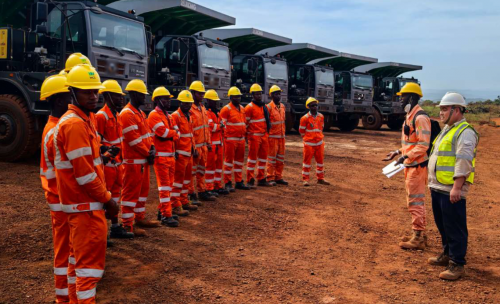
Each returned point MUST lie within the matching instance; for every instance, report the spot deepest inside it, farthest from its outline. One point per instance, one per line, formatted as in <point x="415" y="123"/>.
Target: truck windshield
<point x="362" y="81"/>
<point x="325" y="78"/>
<point x="403" y="81"/>
<point x="277" y="70"/>
<point x="116" y="32"/>
<point x="216" y="57"/>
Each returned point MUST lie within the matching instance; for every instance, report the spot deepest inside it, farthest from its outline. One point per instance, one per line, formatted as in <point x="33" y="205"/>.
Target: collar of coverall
<point x="79" y="112"/>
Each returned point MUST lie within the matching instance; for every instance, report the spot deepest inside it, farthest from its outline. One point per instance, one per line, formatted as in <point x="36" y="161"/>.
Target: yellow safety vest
<point x="447" y="155"/>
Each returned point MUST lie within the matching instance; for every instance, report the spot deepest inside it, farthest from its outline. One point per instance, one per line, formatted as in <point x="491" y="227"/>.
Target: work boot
<point x="281" y="182"/>
<point x="229" y="187"/>
<point x="264" y="183"/>
<point x="251" y="183"/>
<point x="441" y="260"/>
<point x="323" y="182"/>
<point x="119" y="232"/>
<point x="416" y="242"/>
<point x="190" y="207"/>
<point x="453" y="272"/>
<point x="193" y="198"/>
<point x="147" y="224"/>
<point x="306" y="183"/>
<point x="222" y="191"/>
<point x="213" y="193"/>
<point x="175" y="216"/>
<point x="242" y="186"/>
<point x="407" y="238"/>
<point x="135" y="230"/>
<point x="109" y="243"/>
<point x="179" y="211"/>
<point x="205" y="196"/>
<point x="169" y="221"/>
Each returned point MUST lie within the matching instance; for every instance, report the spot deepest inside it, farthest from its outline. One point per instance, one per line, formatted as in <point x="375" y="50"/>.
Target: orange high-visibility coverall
<point x="415" y="147"/>
<point x="213" y="175"/>
<point x="201" y="139"/>
<point x="183" y="164"/>
<point x="60" y="227"/>
<point x="234" y="139"/>
<point x="135" y="147"/>
<point x="258" y="144"/>
<point x="162" y="126"/>
<point x="82" y="191"/>
<point x="311" y="130"/>
<point x="111" y="133"/>
<point x="276" y="155"/>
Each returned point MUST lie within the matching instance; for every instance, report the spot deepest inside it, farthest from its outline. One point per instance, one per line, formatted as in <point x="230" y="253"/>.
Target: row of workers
<point x="91" y="164"/>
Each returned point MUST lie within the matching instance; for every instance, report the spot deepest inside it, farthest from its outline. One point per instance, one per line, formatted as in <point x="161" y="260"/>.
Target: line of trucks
<point x="172" y="43"/>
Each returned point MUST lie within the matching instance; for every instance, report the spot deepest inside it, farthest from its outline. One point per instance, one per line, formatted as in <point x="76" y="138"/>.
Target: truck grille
<point x="110" y="68"/>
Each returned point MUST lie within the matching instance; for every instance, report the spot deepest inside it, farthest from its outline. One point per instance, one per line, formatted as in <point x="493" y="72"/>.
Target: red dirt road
<point x="323" y="244"/>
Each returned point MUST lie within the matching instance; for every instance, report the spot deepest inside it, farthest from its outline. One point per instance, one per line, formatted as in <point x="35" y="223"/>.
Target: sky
<point x="457" y="42"/>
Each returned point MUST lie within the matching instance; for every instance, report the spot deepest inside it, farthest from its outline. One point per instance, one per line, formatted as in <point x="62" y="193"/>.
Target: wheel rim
<point x="370" y="119"/>
<point x="7" y="129"/>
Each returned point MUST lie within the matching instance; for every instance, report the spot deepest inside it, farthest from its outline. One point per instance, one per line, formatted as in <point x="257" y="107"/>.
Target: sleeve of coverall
<point x="100" y="123"/>
<point x="248" y="114"/>
<point x="466" y="144"/>
<point x="302" y="128"/>
<point x="131" y="135"/>
<point x="224" y="115"/>
<point x="79" y="152"/>
<point x="158" y="127"/>
<point x="212" y="126"/>
<point x="423" y="132"/>
<point x="173" y="119"/>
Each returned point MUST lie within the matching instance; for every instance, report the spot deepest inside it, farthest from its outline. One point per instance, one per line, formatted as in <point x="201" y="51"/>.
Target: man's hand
<point x="209" y="147"/>
<point x="401" y="160"/>
<point x="222" y="126"/>
<point x="455" y="195"/>
<point x="176" y="155"/>
<point x="195" y="153"/>
<point x="114" y="151"/>
<point x="111" y="209"/>
<point x="151" y="155"/>
<point x="391" y="155"/>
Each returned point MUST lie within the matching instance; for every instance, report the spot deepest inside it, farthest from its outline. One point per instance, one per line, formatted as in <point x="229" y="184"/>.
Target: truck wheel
<point x="348" y="123"/>
<point x="18" y="135"/>
<point x="395" y="123"/>
<point x="373" y="121"/>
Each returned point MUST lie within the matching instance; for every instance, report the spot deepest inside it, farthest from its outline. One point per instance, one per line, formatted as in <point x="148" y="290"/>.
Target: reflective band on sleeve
<point x="165" y="154"/>
<point x="262" y="160"/>
<point x="258" y="134"/>
<point x="62" y="291"/>
<point x="87" y="294"/>
<point x="49" y="174"/>
<point x="128" y="129"/>
<point x="185" y="191"/>
<point x="160" y="124"/>
<point x="83" y="207"/>
<point x="142" y="209"/>
<point x="134" y="161"/>
<point x="89" y="273"/>
<point x="86" y="179"/>
<point x="257" y="120"/>
<point x="261" y="167"/>
<point x="165" y="188"/>
<point x="63" y="165"/>
<point x="237" y="170"/>
<point x="228" y="172"/>
<point x="276" y="136"/>
<point x="416" y="204"/>
<point x="186" y="135"/>
<point x="187" y="182"/>
<point x="103" y="114"/>
<point x="128" y="204"/>
<point x="61" y="270"/>
<point x="416" y="195"/>
<point x="236" y="124"/>
<point x="135" y="142"/>
<point x="79" y="153"/>
<point x="302" y="127"/>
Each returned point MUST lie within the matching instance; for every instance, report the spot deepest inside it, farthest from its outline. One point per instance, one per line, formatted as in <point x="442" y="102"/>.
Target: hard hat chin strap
<point x="74" y="101"/>
<point x="449" y="116"/>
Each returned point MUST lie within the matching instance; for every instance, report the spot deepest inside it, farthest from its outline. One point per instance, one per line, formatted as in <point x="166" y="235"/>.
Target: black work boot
<point x="194" y="200"/>
<point x="204" y="196"/>
<point x="169" y="221"/>
<point x="242" y="186"/>
<point x="229" y="187"/>
<point x="213" y="193"/>
<point x="222" y="191"/>
<point x="251" y="184"/>
<point x="281" y="182"/>
<point x="119" y="232"/>
<point x="264" y="183"/>
<point x="175" y="216"/>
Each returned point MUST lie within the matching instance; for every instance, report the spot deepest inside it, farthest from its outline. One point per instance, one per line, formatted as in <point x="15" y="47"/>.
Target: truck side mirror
<point x="41" y="12"/>
<point x="251" y="65"/>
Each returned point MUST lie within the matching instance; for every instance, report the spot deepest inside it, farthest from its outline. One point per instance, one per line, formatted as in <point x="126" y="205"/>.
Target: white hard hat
<point x="452" y="99"/>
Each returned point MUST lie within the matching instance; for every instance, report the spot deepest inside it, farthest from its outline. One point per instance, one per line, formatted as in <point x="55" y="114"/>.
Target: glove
<point x="401" y="160"/>
<point x="114" y="151"/>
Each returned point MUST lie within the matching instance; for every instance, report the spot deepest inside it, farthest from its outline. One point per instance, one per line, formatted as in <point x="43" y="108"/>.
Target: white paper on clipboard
<point x="391" y="169"/>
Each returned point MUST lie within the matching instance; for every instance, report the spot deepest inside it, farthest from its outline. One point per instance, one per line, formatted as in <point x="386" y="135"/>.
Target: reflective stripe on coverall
<point x="311" y="130"/>
<point x="258" y="144"/>
<point x="276" y="153"/>
<point x="234" y="141"/>
<point x="201" y="140"/>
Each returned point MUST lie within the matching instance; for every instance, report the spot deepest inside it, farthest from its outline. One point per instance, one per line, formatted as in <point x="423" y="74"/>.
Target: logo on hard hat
<point x="84" y="60"/>
<point x="92" y="75"/>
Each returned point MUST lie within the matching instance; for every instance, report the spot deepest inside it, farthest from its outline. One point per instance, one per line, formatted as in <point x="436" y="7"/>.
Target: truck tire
<point x="19" y="137"/>
<point x="348" y="123"/>
<point x="395" y="124"/>
<point x="373" y="121"/>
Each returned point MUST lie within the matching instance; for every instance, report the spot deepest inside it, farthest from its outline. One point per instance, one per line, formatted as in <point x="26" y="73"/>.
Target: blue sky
<point x="456" y="42"/>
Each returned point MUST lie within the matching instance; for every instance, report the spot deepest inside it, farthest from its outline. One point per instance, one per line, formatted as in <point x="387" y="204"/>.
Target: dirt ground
<point x="323" y="244"/>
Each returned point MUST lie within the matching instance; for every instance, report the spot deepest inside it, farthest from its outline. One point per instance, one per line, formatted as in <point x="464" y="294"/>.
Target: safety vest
<point x="447" y="155"/>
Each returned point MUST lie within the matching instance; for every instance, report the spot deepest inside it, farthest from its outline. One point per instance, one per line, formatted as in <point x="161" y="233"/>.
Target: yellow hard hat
<point x="411" y="87"/>
<point x="76" y="59"/>
<point x="63" y="72"/>
<point x="233" y="91"/>
<point x="273" y="89"/>
<point x="197" y="86"/>
<point x="53" y="85"/>
<point x="185" y="96"/>
<point x="161" y="91"/>
<point x="84" y="77"/>
<point x="309" y="100"/>
<point x="255" y="88"/>
<point x="137" y="85"/>
<point x="212" y="95"/>
<point x="111" y="86"/>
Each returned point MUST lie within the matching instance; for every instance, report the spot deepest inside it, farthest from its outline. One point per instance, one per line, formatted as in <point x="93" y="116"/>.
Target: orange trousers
<point x="213" y="175"/>
<point x="319" y="153"/>
<point x="135" y="192"/>
<point x="198" y="170"/>
<point x="114" y="180"/>
<point x="60" y="238"/>
<point x="164" y="170"/>
<point x="275" y="159"/>
<point x="88" y="232"/>
<point x="182" y="179"/>
<point x="416" y="183"/>
<point x="258" y="147"/>
<point x="234" y="155"/>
